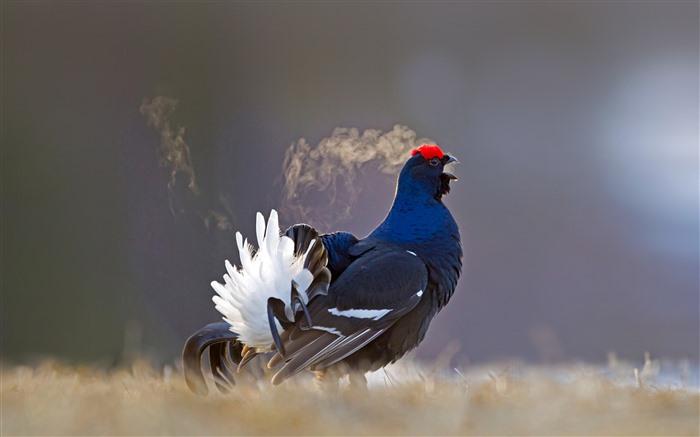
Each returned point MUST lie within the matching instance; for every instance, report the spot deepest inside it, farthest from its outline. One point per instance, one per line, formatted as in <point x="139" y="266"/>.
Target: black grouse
<point x="332" y="303"/>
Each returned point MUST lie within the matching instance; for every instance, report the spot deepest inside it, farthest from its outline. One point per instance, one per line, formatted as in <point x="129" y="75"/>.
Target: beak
<point x="451" y="159"/>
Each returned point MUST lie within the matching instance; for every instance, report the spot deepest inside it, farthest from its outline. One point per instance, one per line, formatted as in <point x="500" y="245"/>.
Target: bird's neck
<point x="415" y="216"/>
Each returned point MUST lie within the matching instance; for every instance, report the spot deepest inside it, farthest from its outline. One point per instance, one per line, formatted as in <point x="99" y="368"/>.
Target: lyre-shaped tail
<point x="266" y="295"/>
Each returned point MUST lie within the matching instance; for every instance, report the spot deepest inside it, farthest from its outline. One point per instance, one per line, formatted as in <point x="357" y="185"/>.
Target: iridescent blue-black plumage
<point x="337" y="245"/>
<point x="384" y="289"/>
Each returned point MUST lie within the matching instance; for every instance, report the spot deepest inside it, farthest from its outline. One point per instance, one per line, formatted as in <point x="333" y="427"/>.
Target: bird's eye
<point x="434" y="161"/>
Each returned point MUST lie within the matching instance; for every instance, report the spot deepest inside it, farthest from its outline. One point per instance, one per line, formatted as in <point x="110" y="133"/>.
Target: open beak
<point x="450" y="159"/>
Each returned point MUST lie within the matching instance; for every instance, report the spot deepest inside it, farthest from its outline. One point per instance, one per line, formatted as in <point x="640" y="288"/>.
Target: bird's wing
<point x="371" y="294"/>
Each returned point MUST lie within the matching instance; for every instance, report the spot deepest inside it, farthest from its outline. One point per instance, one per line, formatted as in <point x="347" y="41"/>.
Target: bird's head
<point x="425" y="170"/>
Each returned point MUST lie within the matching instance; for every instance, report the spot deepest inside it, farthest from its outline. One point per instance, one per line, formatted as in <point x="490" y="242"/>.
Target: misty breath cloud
<point x="174" y="153"/>
<point x="320" y="182"/>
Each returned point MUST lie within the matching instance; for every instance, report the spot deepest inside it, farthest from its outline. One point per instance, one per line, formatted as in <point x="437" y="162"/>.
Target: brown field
<point x="52" y="399"/>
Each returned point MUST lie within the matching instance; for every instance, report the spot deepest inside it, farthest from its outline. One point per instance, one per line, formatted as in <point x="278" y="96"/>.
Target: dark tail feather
<point x="275" y="310"/>
<point x="316" y="262"/>
<point x="302" y="235"/>
<point x="247" y="355"/>
<point x="297" y="302"/>
<point x="224" y="353"/>
<point x="317" y="259"/>
<point x="223" y="378"/>
<point x="320" y="284"/>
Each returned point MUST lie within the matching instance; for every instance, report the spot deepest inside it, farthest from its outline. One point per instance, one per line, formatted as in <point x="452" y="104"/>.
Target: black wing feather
<point x="387" y="282"/>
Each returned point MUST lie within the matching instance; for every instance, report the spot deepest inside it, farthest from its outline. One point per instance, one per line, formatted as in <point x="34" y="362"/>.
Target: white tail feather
<point x="242" y="298"/>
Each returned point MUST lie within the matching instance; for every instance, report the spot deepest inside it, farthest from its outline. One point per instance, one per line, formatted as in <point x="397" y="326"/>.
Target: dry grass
<point x="502" y="400"/>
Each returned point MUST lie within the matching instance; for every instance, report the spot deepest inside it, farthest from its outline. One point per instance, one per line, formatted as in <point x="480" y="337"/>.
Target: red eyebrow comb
<point x="429" y="151"/>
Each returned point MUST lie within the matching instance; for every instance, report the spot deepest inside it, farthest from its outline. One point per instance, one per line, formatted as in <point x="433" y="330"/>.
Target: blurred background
<point x="576" y="124"/>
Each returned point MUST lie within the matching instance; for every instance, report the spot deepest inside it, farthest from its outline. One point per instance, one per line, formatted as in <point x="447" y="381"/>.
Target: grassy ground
<point x="490" y="400"/>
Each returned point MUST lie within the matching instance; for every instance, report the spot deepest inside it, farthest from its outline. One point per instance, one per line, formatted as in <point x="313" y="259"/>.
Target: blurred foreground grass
<point x="52" y="399"/>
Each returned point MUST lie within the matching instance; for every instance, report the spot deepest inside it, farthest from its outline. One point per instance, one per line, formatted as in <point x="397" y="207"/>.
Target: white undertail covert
<point x="264" y="273"/>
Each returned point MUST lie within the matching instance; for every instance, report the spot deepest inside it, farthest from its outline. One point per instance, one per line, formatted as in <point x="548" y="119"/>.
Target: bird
<point x="331" y="303"/>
